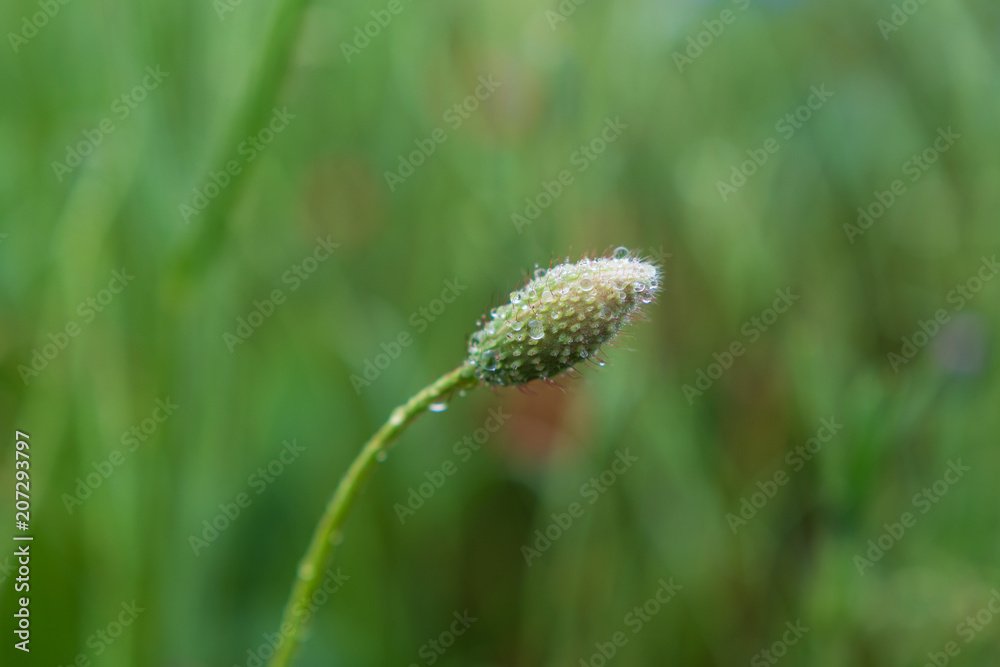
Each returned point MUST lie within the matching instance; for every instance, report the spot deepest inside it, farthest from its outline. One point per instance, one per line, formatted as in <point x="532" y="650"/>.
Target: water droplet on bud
<point x="438" y="407"/>
<point x="488" y="360"/>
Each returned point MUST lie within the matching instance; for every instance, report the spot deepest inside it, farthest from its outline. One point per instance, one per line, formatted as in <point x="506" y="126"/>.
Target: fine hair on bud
<point x="560" y="318"/>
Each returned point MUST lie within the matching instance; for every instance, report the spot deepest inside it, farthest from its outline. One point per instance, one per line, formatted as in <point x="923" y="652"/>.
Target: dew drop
<point x="600" y="363"/>
<point x="562" y="287"/>
<point x="540" y="273"/>
<point x="584" y="354"/>
<point x="382" y="456"/>
<point x="547" y="297"/>
<point x="488" y="360"/>
<point x="536" y="334"/>
<point x="516" y="325"/>
<point x="515" y="298"/>
<point x="645" y="297"/>
<point x="586" y="285"/>
<point x="638" y="286"/>
<point x="605" y="312"/>
<point x="440" y="406"/>
<point x="621" y="252"/>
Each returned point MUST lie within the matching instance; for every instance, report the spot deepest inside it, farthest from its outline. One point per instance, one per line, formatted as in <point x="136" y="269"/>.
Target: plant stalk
<point x="325" y="536"/>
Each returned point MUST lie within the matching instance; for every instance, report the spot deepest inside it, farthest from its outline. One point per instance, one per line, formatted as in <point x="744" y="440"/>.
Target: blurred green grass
<point x="654" y="190"/>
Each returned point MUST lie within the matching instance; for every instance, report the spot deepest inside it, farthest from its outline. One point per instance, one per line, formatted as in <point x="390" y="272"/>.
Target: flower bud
<point x="560" y="318"/>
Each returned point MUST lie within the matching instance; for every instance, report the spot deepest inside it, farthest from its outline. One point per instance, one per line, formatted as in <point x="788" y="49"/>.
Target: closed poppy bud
<point x="560" y="319"/>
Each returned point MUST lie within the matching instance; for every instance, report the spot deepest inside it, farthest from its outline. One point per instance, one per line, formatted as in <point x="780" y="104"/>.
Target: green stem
<point x="321" y="547"/>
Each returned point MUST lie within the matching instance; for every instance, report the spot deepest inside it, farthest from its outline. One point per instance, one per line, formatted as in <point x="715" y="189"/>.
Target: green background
<point x="654" y="189"/>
